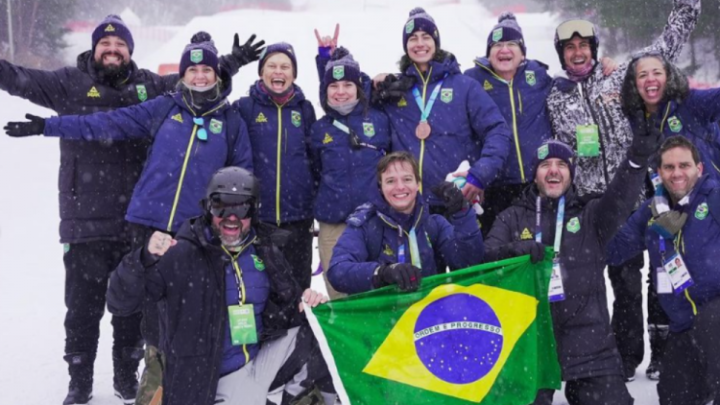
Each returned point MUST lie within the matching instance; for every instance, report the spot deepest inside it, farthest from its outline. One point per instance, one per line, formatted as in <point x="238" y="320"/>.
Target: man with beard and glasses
<point x="232" y="330"/>
<point x="96" y="181"/>
<point x="550" y="213"/>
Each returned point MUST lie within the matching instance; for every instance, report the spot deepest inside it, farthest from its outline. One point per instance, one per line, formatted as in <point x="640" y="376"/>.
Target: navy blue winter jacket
<point x="348" y="173"/>
<point x="280" y="139"/>
<point x="522" y="104"/>
<point x="699" y="245"/>
<point x="466" y="125"/>
<point x="696" y="118"/>
<point x="189" y="284"/>
<point x="96" y="179"/>
<point x="179" y="164"/>
<point x="372" y="239"/>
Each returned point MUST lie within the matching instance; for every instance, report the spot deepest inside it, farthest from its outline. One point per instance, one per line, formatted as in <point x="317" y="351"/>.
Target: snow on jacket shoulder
<point x="347" y="173"/>
<point x="466" y="125"/>
<point x="522" y="103"/>
<point x="596" y="100"/>
<point x="280" y="139"/>
<point x="700" y="247"/>
<point x="180" y="163"/>
<point x="372" y="239"/>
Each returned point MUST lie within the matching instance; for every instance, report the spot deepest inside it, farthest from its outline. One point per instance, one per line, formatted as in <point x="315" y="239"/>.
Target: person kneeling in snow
<point x="229" y="319"/>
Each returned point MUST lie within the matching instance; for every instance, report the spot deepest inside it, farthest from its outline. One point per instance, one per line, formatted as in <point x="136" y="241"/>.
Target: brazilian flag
<point x="481" y="335"/>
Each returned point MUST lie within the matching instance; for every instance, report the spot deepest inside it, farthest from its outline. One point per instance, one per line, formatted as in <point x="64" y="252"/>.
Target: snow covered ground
<point x="31" y="270"/>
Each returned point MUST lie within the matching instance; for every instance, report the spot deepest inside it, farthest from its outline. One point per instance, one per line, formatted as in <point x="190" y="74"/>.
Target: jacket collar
<point x="264" y="98"/>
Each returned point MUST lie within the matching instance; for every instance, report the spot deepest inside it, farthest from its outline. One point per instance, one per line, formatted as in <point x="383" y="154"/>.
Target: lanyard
<point x="425" y="109"/>
<point x="558" y="223"/>
<point x="414" y="249"/>
<point x="238" y="270"/>
<point x="662" y="248"/>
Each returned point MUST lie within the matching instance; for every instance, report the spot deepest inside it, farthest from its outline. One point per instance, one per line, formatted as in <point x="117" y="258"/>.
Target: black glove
<point x="646" y="138"/>
<point x="452" y="197"/>
<point x="36" y="126"/>
<point x="536" y="250"/>
<point x="405" y="275"/>
<point x="392" y="88"/>
<point x="247" y="53"/>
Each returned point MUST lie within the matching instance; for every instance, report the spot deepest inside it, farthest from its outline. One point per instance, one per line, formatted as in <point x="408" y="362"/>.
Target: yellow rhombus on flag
<point x="502" y="317"/>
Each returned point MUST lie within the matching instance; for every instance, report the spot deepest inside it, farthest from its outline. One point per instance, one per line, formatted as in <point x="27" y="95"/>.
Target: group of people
<point x="199" y="212"/>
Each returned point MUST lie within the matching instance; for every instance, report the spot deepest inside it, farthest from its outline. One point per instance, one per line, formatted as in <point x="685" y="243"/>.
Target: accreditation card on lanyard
<point x="556" y="290"/>
<point x="241" y="317"/>
<point x="676" y="270"/>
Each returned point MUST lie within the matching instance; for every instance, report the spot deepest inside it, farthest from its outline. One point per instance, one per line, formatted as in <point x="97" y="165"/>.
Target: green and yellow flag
<point x="481" y="335"/>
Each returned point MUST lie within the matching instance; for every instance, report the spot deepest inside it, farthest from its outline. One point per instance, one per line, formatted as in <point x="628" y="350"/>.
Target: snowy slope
<point x="31" y="270"/>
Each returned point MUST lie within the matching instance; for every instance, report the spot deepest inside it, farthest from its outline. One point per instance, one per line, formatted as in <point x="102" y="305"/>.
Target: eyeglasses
<point x="224" y="206"/>
<point x="566" y="30"/>
<point x="507" y="44"/>
<point x="201" y="132"/>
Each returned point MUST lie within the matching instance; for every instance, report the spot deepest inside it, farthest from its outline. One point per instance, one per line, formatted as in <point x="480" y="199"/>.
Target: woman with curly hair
<point x="657" y="86"/>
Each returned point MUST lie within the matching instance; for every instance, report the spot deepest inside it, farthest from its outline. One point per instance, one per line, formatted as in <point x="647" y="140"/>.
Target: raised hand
<point x="327" y="44"/>
<point x="248" y="52"/>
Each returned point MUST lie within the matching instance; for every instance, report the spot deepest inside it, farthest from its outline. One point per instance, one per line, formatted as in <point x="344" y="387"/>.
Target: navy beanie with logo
<point x="555" y="149"/>
<point x="282" y="47"/>
<point x="342" y="66"/>
<point x="419" y="20"/>
<point x="507" y="29"/>
<point x="200" y="51"/>
<point x="113" y="25"/>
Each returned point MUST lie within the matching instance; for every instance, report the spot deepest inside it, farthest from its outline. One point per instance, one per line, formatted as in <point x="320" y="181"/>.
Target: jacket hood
<point x="264" y="98"/>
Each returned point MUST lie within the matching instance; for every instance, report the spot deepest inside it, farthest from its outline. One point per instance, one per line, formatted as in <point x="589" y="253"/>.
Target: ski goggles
<point x="226" y="205"/>
<point x="566" y="30"/>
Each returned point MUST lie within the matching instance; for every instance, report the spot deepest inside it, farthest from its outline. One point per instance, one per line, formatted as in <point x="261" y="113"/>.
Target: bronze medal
<point x="422" y="131"/>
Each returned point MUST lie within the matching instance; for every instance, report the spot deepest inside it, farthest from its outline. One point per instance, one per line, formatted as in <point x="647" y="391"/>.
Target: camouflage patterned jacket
<point x="596" y="100"/>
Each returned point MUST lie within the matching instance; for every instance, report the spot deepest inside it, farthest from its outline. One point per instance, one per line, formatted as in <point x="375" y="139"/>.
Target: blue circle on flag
<point x="458" y="338"/>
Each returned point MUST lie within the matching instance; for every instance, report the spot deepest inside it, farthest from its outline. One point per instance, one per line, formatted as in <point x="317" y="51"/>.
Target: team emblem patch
<point x="196" y="55"/>
<point x="338" y="72"/>
<point x="702" y="211"/>
<point x="530" y="77"/>
<point x="497" y="35"/>
<point x="215" y="126"/>
<point x="446" y="95"/>
<point x="410" y="26"/>
<point x="141" y="92"/>
<point x="368" y="129"/>
<point x="296" y="118"/>
<point x="543" y="151"/>
<point x="573" y="225"/>
<point x="258" y="263"/>
<point x="674" y="124"/>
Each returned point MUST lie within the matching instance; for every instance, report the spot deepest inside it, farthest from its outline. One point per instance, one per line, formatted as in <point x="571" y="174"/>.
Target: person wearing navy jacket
<point x="682" y="220"/>
<point x="347" y="144"/>
<point x="279" y="119"/>
<point x="457" y="121"/>
<point x="219" y="271"/>
<point x="194" y="132"/>
<point x="657" y="86"/>
<point x="394" y="239"/>
<point x="519" y="87"/>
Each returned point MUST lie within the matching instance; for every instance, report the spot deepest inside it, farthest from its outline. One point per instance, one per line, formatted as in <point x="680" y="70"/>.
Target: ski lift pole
<point x="11" y="42"/>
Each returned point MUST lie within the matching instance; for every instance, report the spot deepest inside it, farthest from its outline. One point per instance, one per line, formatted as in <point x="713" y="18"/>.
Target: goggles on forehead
<point x="224" y="206"/>
<point x="566" y="30"/>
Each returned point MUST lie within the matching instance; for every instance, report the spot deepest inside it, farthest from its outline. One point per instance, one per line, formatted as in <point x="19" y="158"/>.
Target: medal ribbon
<point x="425" y="110"/>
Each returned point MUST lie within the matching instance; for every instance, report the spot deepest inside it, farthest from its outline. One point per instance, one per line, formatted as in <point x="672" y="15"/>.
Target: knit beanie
<point x="419" y="20"/>
<point x="555" y="149"/>
<point x="282" y="47"/>
<point x="113" y="25"/>
<point x="200" y="51"/>
<point x="342" y="66"/>
<point x="507" y="29"/>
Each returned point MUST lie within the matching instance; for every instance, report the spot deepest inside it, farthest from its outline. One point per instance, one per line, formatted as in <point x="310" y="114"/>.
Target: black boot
<point x="658" y="338"/>
<point x="80" y="367"/>
<point x="125" y="378"/>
